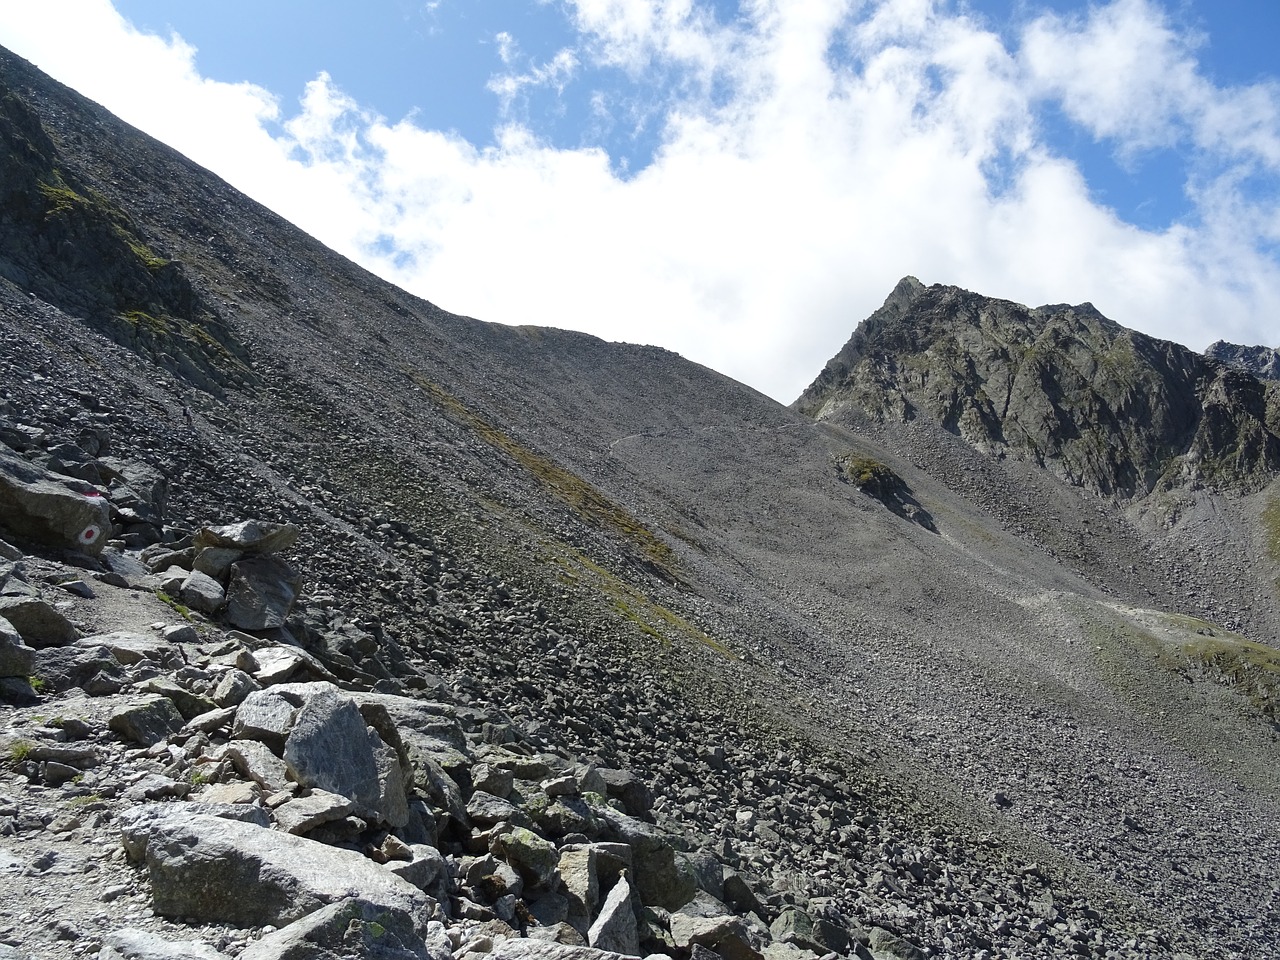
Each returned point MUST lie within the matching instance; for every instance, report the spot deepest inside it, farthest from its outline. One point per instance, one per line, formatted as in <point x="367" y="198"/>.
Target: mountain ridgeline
<point x="559" y="649"/>
<point x="1100" y="406"/>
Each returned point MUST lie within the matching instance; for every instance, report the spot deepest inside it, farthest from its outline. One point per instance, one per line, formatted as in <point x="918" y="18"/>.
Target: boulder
<point x="625" y="786"/>
<point x="581" y="884"/>
<point x="134" y="944"/>
<point x="330" y="748"/>
<point x="216" y="561"/>
<point x="261" y="592"/>
<point x="351" y="929"/>
<point x="212" y="870"/>
<point x="190" y="705"/>
<point x="234" y="687"/>
<point x="49" y="509"/>
<point x="254" y="759"/>
<point x="727" y="936"/>
<point x="265" y="715"/>
<point x="424" y="870"/>
<point x="661" y="879"/>
<point x="201" y="592"/>
<point x="147" y="720"/>
<point x="248" y="536"/>
<point x="485" y="810"/>
<point x="302" y="814"/>
<point x="492" y="780"/>
<point x="887" y="945"/>
<point x="16" y="658"/>
<point x="131" y="648"/>
<point x="615" y="928"/>
<point x="523" y="948"/>
<point x="37" y="622"/>
<point x="92" y="667"/>
<point x="535" y="858"/>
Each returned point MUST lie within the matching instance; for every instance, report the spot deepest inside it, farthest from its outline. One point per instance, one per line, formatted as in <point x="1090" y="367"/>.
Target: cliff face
<point x="1064" y="387"/>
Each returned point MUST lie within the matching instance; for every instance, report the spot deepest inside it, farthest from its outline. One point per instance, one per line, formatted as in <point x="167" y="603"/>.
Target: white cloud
<point x="792" y="186"/>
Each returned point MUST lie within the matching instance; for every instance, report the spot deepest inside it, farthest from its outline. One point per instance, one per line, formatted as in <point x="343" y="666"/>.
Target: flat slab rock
<point x="522" y="948"/>
<point x="222" y="871"/>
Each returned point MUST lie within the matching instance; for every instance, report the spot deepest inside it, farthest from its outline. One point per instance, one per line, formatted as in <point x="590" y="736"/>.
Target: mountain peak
<point x="1061" y="386"/>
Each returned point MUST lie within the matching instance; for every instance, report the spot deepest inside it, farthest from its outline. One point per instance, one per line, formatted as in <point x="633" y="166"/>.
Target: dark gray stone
<point x="261" y="592"/>
<point x="16" y="658"/>
<point x="147" y="721"/>
<point x="50" y="509"/>
<point x="37" y="622"/>
<point x="213" y="870"/>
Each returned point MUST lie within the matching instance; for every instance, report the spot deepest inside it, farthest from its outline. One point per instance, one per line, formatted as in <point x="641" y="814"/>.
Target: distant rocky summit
<point x="1262" y="362"/>
<point x="1102" y="407"/>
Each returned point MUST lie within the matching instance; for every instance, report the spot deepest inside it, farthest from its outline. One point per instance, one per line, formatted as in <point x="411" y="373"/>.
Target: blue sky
<point x="741" y="182"/>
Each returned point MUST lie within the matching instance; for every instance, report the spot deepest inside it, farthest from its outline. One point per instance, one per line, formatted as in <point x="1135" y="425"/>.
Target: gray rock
<point x="134" y="944"/>
<point x="352" y="929"/>
<point x="535" y="858"/>
<point x="524" y="948"/>
<point x="50" y="509"/>
<point x="37" y="622"/>
<point x="887" y="945"/>
<point x="727" y="936"/>
<point x="210" y="720"/>
<point x="393" y="798"/>
<point x="265" y="715"/>
<point x="235" y="792"/>
<point x="302" y="814"/>
<point x="424" y="870"/>
<point x="660" y="878"/>
<point x="492" y="780"/>
<point x="615" y="928"/>
<point x="738" y="893"/>
<point x="216" y="561"/>
<point x="485" y="809"/>
<point x="233" y="688"/>
<point x="249" y="536"/>
<point x="277" y="664"/>
<point x="254" y="759"/>
<point x="261" y="592"/>
<point x="213" y="870"/>
<point x="131" y="648"/>
<point x="147" y="721"/>
<point x="330" y="748"/>
<point x="189" y="704"/>
<point x="90" y="667"/>
<point x="16" y="658"/>
<point x="626" y="786"/>
<point x="709" y="872"/>
<point x="581" y="883"/>
<point x="201" y="592"/>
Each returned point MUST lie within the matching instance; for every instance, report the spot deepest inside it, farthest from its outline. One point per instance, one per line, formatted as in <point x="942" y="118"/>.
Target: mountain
<point x="1103" y="408"/>
<point x="970" y="652"/>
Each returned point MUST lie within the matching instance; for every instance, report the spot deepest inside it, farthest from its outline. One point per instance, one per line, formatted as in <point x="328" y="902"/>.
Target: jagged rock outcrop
<point x="1100" y="406"/>
<point x="1261" y="362"/>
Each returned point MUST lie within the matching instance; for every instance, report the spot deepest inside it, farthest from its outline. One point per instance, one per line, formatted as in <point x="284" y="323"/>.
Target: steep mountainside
<point x="905" y="685"/>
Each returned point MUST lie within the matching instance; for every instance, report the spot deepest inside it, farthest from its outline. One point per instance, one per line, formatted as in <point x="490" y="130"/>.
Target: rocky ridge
<point x="1101" y="407"/>
<point x="1261" y="362"/>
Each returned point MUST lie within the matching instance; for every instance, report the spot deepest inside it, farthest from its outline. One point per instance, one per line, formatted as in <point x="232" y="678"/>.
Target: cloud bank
<point x="811" y="152"/>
